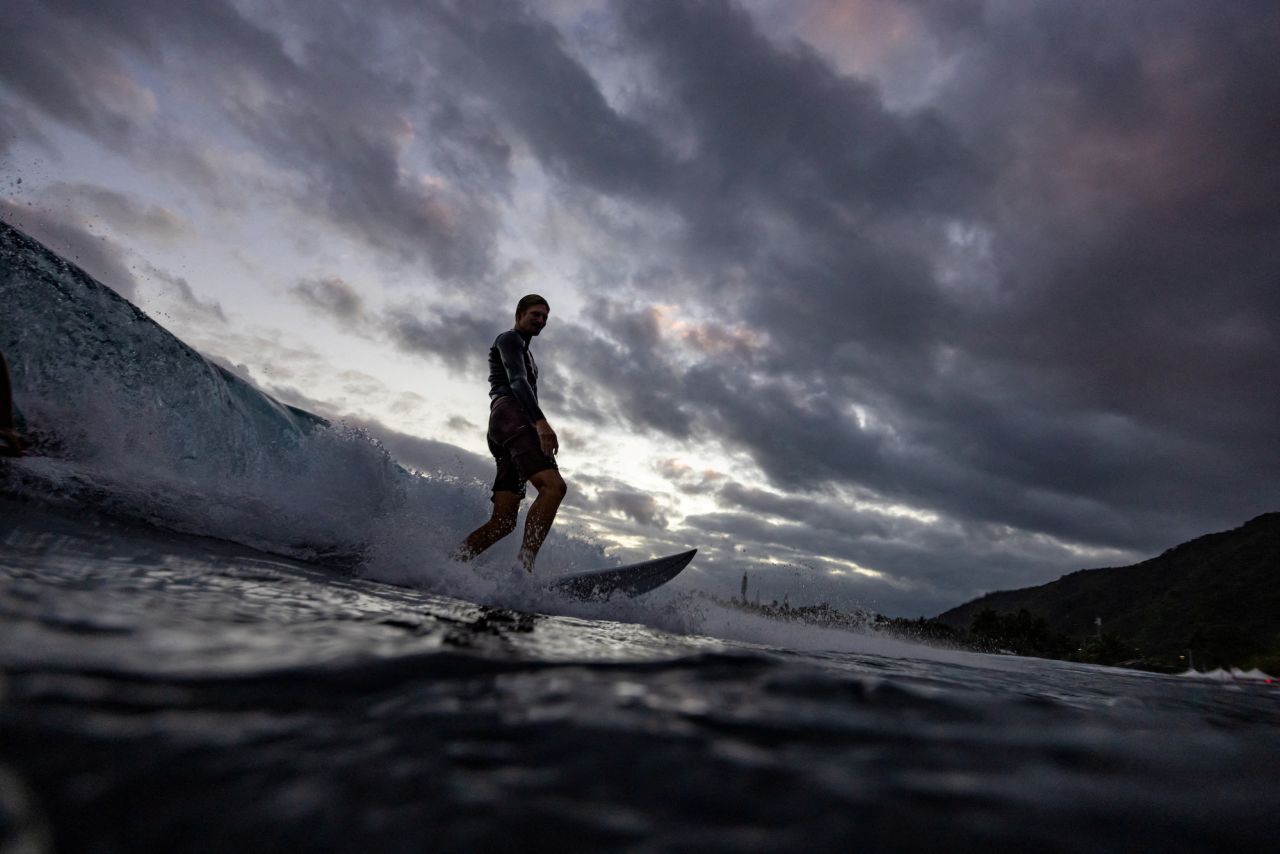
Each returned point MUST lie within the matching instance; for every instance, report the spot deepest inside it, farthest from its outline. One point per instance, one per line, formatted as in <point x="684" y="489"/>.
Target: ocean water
<point x="226" y="625"/>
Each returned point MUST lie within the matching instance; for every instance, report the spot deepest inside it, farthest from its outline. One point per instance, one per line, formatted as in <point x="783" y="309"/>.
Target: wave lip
<point x="94" y="369"/>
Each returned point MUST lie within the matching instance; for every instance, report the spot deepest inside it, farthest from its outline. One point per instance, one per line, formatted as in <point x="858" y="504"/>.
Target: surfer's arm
<point x="547" y="437"/>
<point x="511" y="350"/>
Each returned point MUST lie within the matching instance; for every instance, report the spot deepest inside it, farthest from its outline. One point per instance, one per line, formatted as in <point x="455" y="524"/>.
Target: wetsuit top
<point x="513" y="373"/>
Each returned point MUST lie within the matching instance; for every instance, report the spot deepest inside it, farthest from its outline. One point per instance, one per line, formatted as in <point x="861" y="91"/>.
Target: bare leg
<point x="551" y="491"/>
<point x="503" y="521"/>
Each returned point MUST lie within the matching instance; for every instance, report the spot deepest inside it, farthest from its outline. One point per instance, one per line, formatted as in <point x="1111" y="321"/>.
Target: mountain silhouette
<point x="1216" y="597"/>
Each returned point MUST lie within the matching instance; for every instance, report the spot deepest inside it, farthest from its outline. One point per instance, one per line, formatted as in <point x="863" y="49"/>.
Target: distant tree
<point x="1107" y="648"/>
<point x="1268" y="660"/>
<point x="1019" y="632"/>
<point x="1221" y="645"/>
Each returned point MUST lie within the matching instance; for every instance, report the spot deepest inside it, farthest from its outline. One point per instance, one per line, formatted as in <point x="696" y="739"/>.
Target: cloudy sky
<point x="890" y="302"/>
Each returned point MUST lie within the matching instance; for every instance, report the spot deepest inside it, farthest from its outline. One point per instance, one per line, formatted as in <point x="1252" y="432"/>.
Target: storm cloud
<point x="331" y="296"/>
<point x="972" y="293"/>
<point x="1076" y="336"/>
<point x="341" y="128"/>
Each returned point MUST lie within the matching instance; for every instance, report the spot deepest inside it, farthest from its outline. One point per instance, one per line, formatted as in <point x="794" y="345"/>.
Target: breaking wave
<point x="129" y="420"/>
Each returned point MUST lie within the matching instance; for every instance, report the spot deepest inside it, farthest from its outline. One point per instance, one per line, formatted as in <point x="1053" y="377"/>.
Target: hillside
<point x="1217" y="595"/>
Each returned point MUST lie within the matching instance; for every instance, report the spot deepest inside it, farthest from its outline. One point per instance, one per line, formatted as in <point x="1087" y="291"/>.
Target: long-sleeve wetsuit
<point x="513" y="373"/>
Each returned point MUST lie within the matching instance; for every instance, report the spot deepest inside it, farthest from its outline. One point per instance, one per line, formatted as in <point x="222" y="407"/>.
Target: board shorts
<point x="513" y="441"/>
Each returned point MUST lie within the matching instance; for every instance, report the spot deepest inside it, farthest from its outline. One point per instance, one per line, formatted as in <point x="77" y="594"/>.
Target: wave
<point x="130" y="421"/>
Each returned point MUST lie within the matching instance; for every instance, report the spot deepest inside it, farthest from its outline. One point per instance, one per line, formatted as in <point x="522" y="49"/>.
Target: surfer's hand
<point x="547" y="438"/>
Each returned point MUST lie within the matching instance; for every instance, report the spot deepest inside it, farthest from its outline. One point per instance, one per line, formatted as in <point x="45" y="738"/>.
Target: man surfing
<point x="521" y="441"/>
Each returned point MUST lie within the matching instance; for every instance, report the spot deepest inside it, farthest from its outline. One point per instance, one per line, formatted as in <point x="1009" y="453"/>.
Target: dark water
<point x="163" y="692"/>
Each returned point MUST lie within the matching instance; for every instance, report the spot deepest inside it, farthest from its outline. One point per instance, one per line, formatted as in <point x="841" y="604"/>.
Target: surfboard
<point x="631" y="580"/>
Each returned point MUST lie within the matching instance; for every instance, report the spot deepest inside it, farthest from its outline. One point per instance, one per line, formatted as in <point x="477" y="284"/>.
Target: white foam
<point x="1233" y="674"/>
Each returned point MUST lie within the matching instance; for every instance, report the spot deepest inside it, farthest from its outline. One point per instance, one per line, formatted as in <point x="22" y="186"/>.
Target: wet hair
<point x="528" y="302"/>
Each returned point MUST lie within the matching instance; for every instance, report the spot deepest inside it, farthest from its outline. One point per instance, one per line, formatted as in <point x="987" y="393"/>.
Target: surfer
<point x="521" y="441"/>
<point x="11" y="444"/>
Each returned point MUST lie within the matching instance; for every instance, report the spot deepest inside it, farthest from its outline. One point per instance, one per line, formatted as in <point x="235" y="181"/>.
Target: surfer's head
<point x="531" y="314"/>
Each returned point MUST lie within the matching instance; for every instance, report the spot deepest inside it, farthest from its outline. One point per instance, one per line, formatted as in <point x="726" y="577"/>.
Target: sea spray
<point x="135" y="423"/>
